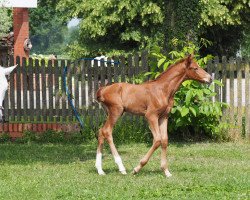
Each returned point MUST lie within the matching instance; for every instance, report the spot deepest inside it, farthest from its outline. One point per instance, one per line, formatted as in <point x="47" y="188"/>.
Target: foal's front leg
<point x="154" y="127"/>
<point x="164" y="143"/>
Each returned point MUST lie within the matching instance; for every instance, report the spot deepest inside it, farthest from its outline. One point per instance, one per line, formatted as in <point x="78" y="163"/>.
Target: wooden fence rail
<point x="36" y="92"/>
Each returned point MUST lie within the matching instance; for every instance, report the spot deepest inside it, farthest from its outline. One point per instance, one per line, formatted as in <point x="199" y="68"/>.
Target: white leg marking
<point x="167" y="173"/>
<point x="98" y="164"/>
<point x="121" y="167"/>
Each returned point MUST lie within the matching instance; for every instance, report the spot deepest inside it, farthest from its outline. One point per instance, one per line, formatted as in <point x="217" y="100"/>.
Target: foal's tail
<point x="100" y="99"/>
<point x="99" y="96"/>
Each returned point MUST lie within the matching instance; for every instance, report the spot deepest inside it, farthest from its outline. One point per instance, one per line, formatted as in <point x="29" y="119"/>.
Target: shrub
<point x="194" y="112"/>
<point x="5" y="137"/>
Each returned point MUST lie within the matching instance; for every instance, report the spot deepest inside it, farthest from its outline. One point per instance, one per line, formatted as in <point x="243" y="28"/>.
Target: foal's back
<point x="131" y="97"/>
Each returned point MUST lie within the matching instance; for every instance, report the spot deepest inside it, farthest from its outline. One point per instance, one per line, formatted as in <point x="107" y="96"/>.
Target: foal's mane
<point x="170" y="67"/>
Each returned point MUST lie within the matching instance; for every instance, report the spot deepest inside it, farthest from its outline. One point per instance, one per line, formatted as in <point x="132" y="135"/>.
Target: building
<point x="18" y="42"/>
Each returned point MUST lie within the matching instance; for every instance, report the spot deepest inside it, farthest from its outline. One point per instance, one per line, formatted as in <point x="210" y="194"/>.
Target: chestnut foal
<point x="152" y="99"/>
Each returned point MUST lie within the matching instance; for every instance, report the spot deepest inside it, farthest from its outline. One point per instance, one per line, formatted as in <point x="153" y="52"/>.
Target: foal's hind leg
<point x="98" y="163"/>
<point x="106" y="132"/>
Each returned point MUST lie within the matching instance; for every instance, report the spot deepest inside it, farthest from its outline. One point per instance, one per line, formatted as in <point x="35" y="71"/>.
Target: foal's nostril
<point x="211" y="79"/>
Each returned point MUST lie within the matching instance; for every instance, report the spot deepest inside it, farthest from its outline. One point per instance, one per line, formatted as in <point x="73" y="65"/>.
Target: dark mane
<point x="170" y="67"/>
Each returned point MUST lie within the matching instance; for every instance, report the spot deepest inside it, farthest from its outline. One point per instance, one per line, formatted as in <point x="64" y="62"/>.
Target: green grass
<point x="54" y="171"/>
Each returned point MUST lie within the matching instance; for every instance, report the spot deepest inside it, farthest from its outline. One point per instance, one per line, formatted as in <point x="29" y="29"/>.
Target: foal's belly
<point x="135" y="110"/>
<point x="134" y="99"/>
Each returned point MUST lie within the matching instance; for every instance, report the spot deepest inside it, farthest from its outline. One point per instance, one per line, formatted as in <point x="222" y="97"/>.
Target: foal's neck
<point x="171" y="79"/>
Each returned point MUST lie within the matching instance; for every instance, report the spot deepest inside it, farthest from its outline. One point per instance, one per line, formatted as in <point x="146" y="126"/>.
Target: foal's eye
<point x="195" y="69"/>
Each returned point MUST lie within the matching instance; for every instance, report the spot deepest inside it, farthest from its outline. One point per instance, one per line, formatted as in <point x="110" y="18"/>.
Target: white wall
<point x="19" y="3"/>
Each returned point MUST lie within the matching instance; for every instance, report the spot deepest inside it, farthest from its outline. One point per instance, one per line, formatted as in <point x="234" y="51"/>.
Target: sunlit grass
<point x="54" y="171"/>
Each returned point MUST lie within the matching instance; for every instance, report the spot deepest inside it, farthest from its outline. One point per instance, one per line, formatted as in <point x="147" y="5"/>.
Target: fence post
<point x="69" y="112"/>
<point x="232" y="109"/>
<point x="123" y="68"/>
<point x="44" y="99"/>
<point x="37" y="85"/>
<point x="50" y="88"/>
<point x="31" y="112"/>
<point x="83" y="86"/>
<point x="239" y="95"/>
<point x="64" y="97"/>
<point x="247" y="100"/>
<point x="18" y="89"/>
<point x="144" y="61"/>
<point x="130" y="68"/>
<point x="24" y="88"/>
<point x="224" y="87"/>
<point x="76" y="83"/>
<point x="224" y="78"/>
<point x="57" y="91"/>
<point x="217" y="77"/>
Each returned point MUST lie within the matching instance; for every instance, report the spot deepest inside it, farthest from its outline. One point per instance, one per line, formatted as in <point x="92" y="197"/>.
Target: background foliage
<point x="125" y="26"/>
<point x="113" y="27"/>
<point x="194" y="114"/>
<point x="48" y="28"/>
<point x="5" y="21"/>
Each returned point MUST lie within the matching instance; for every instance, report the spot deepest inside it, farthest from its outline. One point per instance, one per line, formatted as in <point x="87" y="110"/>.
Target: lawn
<point x="57" y="171"/>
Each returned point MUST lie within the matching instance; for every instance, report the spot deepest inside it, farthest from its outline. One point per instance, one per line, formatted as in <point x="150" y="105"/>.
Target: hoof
<point x="123" y="172"/>
<point x="101" y="172"/>
<point x="134" y="172"/>
<point x="168" y="174"/>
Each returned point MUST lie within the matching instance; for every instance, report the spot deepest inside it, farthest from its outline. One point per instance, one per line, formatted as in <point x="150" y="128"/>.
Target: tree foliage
<point x="126" y="25"/>
<point x="223" y="12"/>
<point x="116" y="25"/>
<point x="226" y="23"/>
<point x="5" y="21"/>
<point x="47" y="28"/>
<point x="194" y="112"/>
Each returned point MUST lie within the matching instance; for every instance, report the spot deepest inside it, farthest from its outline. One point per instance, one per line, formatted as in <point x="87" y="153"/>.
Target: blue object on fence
<point x="77" y="115"/>
<point x="70" y="99"/>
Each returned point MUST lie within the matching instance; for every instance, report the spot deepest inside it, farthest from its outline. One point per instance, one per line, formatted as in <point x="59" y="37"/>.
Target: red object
<point x="16" y="130"/>
<point x="21" y="31"/>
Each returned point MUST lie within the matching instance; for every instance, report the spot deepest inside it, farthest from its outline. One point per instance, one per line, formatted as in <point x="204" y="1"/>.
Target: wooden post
<point x="247" y="100"/>
<point x="239" y="95"/>
<point x="21" y="31"/>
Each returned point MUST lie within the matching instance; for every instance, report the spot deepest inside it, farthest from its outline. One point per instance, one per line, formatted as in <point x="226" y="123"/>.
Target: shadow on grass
<point x="25" y="154"/>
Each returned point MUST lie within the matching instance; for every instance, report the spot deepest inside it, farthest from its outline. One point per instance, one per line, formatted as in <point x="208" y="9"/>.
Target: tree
<point x="225" y="23"/>
<point x="115" y="25"/>
<point x="5" y="21"/>
<point x="127" y="25"/>
<point x="47" y="28"/>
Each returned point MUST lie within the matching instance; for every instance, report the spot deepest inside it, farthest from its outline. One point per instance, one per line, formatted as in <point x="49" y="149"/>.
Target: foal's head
<point x="195" y="72"/>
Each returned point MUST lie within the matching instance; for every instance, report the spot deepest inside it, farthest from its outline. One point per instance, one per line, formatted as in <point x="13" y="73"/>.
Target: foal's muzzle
<point x="209" y="79"/>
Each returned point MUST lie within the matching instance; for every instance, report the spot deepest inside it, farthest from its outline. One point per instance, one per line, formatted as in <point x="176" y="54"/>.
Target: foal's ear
<point x="189" y="59"/>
